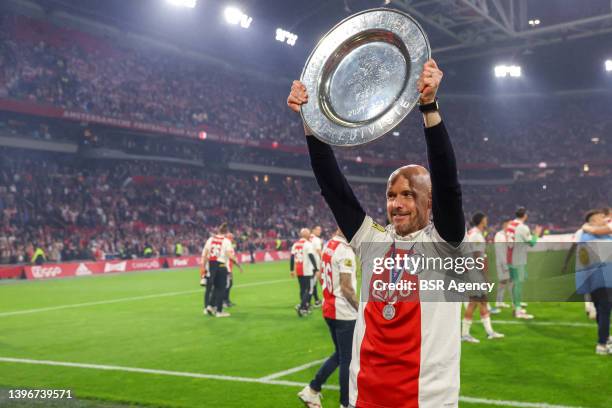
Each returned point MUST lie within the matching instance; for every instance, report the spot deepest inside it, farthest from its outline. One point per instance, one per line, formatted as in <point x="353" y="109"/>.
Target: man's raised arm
<point x="334" y="187"/>
<point x="446" y="202"/>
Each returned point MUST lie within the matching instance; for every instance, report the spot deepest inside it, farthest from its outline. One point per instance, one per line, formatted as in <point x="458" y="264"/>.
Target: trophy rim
<point x="323" y="39"/>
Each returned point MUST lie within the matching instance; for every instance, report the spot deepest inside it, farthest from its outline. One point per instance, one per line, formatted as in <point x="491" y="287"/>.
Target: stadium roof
<point x="461" y="32"/>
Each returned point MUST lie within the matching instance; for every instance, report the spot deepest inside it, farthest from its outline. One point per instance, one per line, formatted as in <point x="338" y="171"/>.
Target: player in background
<point x="501" y="263"/>
<point x="317" y="243"/>
<point x="217" y="253"/>
<point x="604" y="228"/>
<point x="519" y="239"/>
<point x="478" y="246"/>
<point x="303" y="264"/>
<point x="230" y="277"/>
<point x="340" y="306"/>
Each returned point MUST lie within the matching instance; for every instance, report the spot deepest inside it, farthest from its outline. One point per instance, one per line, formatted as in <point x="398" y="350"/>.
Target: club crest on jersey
<point x="348" y="263"/>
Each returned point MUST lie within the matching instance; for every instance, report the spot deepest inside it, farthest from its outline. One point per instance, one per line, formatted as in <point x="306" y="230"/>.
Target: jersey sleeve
<point x="228" y="248"/>
<point x="368" y="233"/>
<point x="206" y="246"/>
<point x="346" y="260"/>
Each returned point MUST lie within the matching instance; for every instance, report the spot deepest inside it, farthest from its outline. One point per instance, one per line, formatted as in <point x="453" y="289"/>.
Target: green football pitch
<point x="140" y="339"/>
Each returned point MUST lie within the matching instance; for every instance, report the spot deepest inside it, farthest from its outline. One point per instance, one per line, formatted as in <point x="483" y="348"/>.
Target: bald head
<point x="415" y="174"/>
<point x="409" y="198"/>
<point x="305" y="233"/>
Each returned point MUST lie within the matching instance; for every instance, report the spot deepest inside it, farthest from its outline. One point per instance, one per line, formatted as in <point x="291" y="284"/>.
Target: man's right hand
<point x="297" y="97"/>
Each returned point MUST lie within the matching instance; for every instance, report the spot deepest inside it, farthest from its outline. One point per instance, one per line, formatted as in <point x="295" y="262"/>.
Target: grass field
<point x="140" y="339"/>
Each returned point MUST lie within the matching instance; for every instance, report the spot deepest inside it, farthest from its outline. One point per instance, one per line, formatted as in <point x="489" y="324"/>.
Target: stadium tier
<point x="176" y="232"/>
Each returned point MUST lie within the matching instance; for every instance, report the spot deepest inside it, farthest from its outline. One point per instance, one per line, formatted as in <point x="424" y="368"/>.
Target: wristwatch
<point x="430" y="107"/>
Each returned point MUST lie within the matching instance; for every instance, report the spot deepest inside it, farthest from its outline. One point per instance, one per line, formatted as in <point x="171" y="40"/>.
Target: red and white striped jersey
<point x="337" y="258"/>
<point x="300" y="251"/>
<point x="219" y="249"/>
<point x="412" y="359"/>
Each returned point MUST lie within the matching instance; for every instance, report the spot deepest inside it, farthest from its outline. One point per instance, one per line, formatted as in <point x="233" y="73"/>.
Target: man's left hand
<point x="429" y="82"/>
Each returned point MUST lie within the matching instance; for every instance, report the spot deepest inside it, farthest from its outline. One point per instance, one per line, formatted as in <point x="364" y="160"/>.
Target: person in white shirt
<point x="519" y="239"/>
<point x="478" y="246"/>
<point x="340" y="306"/>
<point x="501" y="266"/>
<point x="303" y="265"/>
<point x="317" y="244"/>
<point x="217" y="253"/>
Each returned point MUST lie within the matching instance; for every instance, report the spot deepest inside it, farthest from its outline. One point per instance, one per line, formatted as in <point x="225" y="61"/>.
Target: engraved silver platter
<point x="362" y="76"/>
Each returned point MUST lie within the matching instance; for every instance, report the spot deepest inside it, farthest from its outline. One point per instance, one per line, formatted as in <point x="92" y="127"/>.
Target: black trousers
<point x="602" y="299"/>
<point x="230" y="283"/>
<point x="213" y="267"/>
<point x="305" y="291"/>
<point x="216" y="286"/>
<point x="315" y="291"/>
<point x="342" y="335"/>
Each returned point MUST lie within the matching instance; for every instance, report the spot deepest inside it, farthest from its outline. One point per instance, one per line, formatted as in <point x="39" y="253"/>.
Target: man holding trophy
<point x="412" y="358"/>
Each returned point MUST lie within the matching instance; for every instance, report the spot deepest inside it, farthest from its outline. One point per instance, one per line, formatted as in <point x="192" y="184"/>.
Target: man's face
<point x="485" y="222"/>
<point x="317" y="231"/>
<point x="597" y="220"/>
<point x="408" y="203"/>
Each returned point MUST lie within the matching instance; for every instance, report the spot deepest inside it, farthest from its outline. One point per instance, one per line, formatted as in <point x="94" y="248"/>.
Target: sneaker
<point x="494" y="310"/>
<point x="310" y="398"/>
<point x="210" y="310"/>
<point x="228" y="304"/>
<point x="222" y="314"/>
<point x="523" y="304"/>
<point x="592" y="314"/>
<point x="317" y="303"/>
<point x="502" y="305"/>
<point x="602" y="350"/>
<point x="522" y="314"/>
<point x="495" y="335"/>
<point x="470" y="339"/>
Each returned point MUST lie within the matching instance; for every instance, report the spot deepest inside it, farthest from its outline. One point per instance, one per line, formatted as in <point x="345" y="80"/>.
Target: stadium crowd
<point x="46" y="64"/>
<point x="79" y="208"/>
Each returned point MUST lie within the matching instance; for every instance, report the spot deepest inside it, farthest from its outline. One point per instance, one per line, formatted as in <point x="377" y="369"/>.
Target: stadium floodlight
<point x="183" y="3"/>
<point x="502" y="71"/>
<point x="586" y="168"/>
<point x="534" y="22"/>
<point x="286" y="36"/>
<point x="235" y="16"/>
<point x="608" y="65"/>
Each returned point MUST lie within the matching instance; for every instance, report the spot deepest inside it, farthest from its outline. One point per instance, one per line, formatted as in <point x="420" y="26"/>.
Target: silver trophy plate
<point x="362" y="76"/>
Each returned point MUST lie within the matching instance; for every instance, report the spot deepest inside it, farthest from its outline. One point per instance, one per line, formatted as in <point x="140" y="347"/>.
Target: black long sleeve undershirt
<point x="446" y="198"/>
<point x="335" y="189"/>
<point x="446" y="191"/>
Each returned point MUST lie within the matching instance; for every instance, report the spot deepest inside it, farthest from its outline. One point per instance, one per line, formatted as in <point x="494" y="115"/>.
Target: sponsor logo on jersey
<point x="83" y="270"/>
